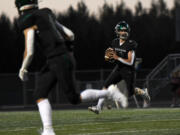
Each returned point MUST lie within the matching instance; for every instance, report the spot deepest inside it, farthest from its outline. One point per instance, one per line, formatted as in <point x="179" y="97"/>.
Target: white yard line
<point x="131" y="131"/>
<point x="17" y="129"/>
<point x="102" y="122"/>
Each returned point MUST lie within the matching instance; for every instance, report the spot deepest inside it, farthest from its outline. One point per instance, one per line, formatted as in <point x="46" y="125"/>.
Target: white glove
<point x="23" y="74"/>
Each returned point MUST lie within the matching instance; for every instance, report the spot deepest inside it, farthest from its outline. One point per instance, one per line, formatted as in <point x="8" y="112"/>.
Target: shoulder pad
<point x="45" y="9"/>
<point x="25" y="21"/>
<point x="116" y="39"/>
<point x="133" y="43"/>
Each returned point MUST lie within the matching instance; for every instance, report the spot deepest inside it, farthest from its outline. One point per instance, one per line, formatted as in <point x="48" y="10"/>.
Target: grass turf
<point x="164" y="121"/>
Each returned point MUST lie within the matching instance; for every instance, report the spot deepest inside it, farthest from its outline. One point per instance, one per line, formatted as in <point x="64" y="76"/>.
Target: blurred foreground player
<point x="40" y="26"/>
<point x="122" y="52"/>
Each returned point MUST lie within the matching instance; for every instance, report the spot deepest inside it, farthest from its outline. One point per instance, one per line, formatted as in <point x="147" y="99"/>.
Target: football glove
<point x="23" y="74"/>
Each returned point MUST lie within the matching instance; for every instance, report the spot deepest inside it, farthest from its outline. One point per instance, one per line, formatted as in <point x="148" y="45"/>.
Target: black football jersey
<point x="122" y="51"/>
<point x="49" y="39"/>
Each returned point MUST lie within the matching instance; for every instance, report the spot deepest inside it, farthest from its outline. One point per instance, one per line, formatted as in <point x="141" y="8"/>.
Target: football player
<point x="122" y="52"/>
<point x="40" y="26"/>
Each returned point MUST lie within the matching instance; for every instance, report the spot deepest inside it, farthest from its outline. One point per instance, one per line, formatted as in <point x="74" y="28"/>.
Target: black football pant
<point x="118" y="75"/>
<point x="61" y="70"/>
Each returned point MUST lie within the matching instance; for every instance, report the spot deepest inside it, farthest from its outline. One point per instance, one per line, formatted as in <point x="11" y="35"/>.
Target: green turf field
<point x="109" y="122"/>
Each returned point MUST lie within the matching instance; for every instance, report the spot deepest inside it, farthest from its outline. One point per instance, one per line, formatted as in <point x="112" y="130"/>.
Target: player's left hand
<point x="23" y="74"/>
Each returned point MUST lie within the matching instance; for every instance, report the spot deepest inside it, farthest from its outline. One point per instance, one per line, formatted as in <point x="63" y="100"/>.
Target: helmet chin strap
<point x="28" y="7"/>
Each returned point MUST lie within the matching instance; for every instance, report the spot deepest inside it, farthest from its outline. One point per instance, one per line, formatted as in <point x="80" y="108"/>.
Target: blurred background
<point x="155" y="27"/>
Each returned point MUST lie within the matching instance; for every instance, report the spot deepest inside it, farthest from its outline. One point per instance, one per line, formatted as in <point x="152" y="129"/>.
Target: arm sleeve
<point x="29" y="48"/>
<point x="67" y="32"/>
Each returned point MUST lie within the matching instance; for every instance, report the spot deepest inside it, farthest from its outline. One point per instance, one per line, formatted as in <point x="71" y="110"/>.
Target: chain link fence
<point x="17" y="93"/>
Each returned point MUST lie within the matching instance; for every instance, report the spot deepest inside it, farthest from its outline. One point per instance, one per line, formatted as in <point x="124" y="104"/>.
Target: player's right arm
<point x="69" y="35"/>
<point x="29" y="34"/>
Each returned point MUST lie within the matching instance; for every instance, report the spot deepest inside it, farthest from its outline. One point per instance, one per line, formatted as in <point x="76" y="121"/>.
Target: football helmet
<point x="122" y="26"/>
<point x="22" y="3"/>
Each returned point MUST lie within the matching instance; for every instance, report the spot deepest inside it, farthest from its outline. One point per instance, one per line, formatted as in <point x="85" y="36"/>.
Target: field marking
<point x="16" y="129"/>
<point x="96" y="123"/>
<point x="138" y="121"/>
<point x="99" y="122"/>
<point x="131" y="131"/>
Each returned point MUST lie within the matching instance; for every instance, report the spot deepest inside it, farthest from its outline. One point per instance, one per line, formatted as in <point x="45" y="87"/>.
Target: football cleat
<point x="146" y="96"/>
<point x="143" y="93"/>
<point x="94" y="109"/>
<point x="145" y="104"/>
